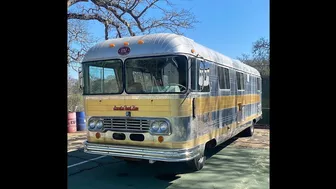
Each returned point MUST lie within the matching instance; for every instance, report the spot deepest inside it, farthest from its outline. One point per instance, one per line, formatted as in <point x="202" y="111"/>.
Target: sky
<point x="226" y="26"/>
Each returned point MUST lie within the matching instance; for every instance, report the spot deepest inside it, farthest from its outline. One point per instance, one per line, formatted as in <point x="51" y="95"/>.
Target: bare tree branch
<point x="115" y="13"/>
<point x="86" y="17"/>
<point x="118" y="33"/>
<point x="106" y="29"/>
<point x="72" y="2"/>
<point x="135" y="4"/>
<point x="260" y="57"/>
<point x="122" y="18"/>
<point x="145" y="9"/>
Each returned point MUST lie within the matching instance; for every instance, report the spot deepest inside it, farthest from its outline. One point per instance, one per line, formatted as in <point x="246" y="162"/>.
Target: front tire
<point x="197" y="163"/>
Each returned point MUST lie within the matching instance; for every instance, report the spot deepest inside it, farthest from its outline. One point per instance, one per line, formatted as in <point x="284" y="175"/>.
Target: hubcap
<point x="200" y="161"/>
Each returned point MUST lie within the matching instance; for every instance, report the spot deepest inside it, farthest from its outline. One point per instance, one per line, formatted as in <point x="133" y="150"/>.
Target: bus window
<point x="204" y="76"/>
<point x="144" y="78"/>
<point x="103" y="77"/>
<point x="240" y="81"/>
<point x="156" y="75"/>
<point x="224" y="78"/>
<point x="194" y="75"/>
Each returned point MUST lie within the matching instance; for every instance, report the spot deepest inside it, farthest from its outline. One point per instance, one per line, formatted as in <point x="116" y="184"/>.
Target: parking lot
<point x="238" y="163"/>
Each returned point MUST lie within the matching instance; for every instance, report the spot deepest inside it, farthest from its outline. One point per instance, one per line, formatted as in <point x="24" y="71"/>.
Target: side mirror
<point x="80" y="78"/>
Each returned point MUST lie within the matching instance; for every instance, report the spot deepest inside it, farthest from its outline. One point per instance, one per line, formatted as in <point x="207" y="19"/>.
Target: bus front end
<point x="137" y="109"/>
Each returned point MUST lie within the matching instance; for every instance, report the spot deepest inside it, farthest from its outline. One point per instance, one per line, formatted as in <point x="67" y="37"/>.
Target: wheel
<point x="248" y="132"/>
<point x="197" y="163"/>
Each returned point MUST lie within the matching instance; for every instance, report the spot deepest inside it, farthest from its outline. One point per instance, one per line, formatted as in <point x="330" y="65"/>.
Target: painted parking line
<point x="85" y="161"/>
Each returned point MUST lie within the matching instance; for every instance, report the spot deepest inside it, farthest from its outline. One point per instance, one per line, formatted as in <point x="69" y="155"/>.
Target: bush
<point x="75" y="100"/>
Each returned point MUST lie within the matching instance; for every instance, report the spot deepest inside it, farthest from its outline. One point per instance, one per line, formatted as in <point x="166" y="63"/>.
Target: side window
<point x="227" y="78"/>
<point x="244" y="81"/>
<point x="240" y="81"/>
<point x="204" y="76"/>
<point x="224" y="78"/>
<point x="194" y="74"/>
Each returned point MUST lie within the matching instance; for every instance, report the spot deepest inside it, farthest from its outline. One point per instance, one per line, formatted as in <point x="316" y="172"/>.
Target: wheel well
<point x="254" y="121"/>
<point x="211" y="143"/>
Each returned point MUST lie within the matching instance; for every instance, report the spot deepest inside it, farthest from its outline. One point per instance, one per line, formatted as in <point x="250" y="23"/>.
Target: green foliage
<point x="260" y="58"/>
<point x="75" y="100"/>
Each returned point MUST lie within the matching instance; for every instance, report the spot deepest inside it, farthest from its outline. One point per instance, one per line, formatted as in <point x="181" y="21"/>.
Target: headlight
<point x="99" y="124"/>
<point x="163" y="127"/>
<point x="95" y="124"/>
<point x="155" y="126"/>
<point x="160" y="127"/>
<point x="92" y="124"/>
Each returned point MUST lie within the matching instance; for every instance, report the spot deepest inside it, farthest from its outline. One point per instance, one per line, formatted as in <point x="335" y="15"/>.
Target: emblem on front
<point x="128" y="114"/>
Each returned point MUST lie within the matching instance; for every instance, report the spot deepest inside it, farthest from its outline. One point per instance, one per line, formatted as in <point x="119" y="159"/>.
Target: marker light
<point x="97" y="135"/>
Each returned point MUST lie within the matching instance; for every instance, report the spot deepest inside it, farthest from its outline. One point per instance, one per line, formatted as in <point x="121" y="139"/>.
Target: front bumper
<point x="157" y="154"/>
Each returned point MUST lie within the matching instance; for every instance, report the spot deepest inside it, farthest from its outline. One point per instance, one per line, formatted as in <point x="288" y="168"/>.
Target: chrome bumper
<point x="157" y="154"/>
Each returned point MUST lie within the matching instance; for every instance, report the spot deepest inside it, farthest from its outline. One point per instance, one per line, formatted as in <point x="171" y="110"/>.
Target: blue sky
<point x="227" y="26"/>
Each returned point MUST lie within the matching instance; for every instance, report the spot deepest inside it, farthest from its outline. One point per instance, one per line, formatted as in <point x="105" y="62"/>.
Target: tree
<point x="121" y="18"/>
<point x="79" y="42"/>
<point x="75" y="98"/>
<point x="260" y="58"/>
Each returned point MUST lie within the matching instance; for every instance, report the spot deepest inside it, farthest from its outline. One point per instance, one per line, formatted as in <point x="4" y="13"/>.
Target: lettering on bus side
<point x="127" y="108"/>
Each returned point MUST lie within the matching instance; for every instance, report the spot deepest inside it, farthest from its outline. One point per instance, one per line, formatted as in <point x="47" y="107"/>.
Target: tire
<point x="248" y="132"/>
<point x="197" y="163"/>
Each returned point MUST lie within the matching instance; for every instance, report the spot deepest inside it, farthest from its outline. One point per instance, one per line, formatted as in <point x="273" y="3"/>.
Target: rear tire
<point x="248" y="132"/>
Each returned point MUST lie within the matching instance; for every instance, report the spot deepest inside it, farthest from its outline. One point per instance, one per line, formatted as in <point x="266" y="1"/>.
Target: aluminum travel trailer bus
<point x="164" y="97"/>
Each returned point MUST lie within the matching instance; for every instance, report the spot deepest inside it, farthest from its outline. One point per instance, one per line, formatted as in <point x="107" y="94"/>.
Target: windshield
<point x="156" y="75"/>
<point x="103" y="77"/>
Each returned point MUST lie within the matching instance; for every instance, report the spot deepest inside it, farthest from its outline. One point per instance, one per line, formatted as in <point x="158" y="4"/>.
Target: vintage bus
<point x="164" y="97"/>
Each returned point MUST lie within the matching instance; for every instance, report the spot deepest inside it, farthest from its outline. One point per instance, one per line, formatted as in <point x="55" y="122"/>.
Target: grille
<point x="126" y="125"/>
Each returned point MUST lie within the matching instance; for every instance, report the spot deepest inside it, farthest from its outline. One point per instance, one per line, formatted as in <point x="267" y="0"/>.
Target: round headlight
<point x="163" y="126"/>
<point x="92" y="124"/>
<point x="155" y="126"/>
<point x="99" y="124"/>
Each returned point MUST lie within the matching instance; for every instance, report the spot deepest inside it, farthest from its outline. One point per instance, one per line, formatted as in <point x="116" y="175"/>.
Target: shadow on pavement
<point x="225" y="166"/>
